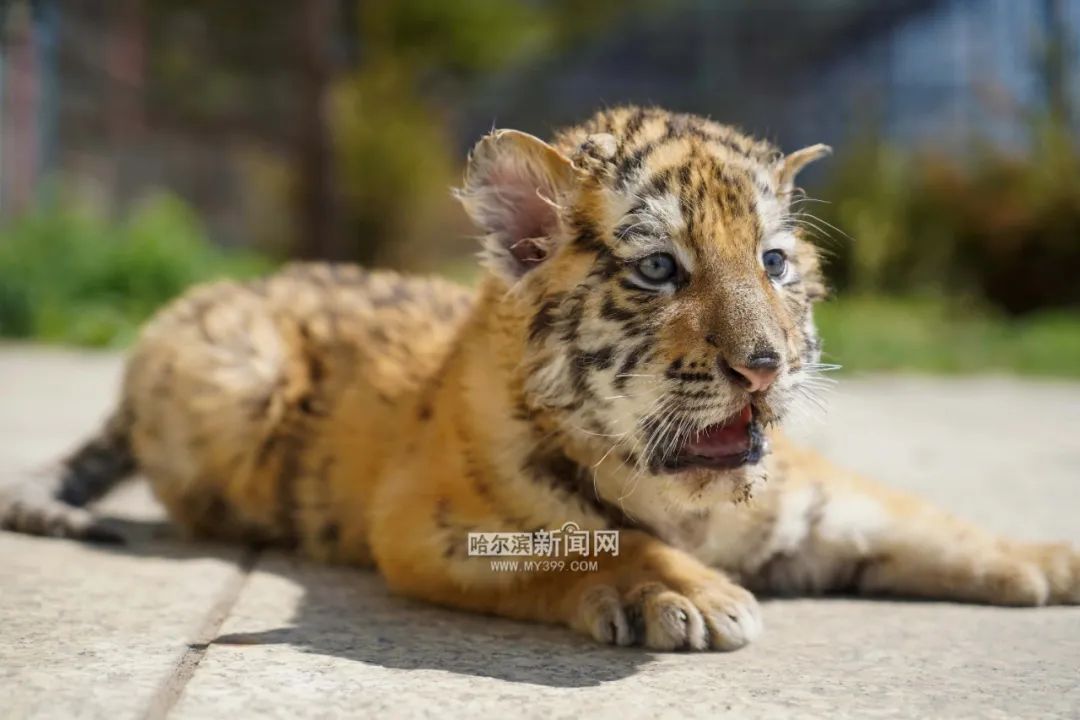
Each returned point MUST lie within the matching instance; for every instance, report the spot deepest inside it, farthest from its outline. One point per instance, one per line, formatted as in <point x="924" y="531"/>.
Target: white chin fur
<point x="703" y="488"/>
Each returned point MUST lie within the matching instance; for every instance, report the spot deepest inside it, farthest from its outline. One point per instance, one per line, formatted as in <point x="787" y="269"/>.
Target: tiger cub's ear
<point x="514" y="186"/>
<point x="788" y="166"/>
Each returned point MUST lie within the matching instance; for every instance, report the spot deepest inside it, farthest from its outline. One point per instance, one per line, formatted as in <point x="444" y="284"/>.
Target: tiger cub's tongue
<point x="729" y="438"/>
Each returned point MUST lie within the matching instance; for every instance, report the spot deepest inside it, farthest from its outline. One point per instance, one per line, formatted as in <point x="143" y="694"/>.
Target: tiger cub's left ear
<point x="789" y="165"/>
<point x="514" y="186"/>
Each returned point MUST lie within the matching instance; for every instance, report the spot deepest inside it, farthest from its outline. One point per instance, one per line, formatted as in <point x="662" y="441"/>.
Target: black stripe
<point x="634" y="162"/>
<point x="601" y="359"/>
<point x="609" y="310"/>
<point x="543" y="320"/>
<point x="550" y="466"/>
<point x="586" y="236"/>
<point x="658" y="184"/>
<point x="690" y="377"/>
<point x="630" y="363"/>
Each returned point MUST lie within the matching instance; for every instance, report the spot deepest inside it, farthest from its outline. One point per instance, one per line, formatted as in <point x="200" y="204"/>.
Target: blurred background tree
<point x="996" y="223"/>
<point x="396" y="112"/>
<point x="335" y="128"/>
<point x="391" y="120"/>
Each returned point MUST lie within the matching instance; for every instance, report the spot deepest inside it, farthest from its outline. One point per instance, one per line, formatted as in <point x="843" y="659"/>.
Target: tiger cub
<point x="643" y="326"/>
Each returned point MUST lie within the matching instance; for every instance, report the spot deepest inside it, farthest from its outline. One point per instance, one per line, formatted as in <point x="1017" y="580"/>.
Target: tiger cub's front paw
<point x="717" y="616"/>
<point x="1034" y="574"/>
<point x="1059" y="564"/>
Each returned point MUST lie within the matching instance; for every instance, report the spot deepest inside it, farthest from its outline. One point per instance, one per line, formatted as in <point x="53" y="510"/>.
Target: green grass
<point x="71" y="276"/>
<point x="936" y="336"/>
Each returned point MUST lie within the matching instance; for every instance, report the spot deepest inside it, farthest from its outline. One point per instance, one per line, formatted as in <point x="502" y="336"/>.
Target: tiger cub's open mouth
<point x="733" y="443"/>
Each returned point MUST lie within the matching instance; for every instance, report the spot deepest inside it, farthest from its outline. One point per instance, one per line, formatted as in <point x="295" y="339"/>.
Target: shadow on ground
<point x="349" y="613"/>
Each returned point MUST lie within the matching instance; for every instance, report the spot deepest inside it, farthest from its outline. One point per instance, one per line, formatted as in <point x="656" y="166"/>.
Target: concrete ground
<point x="193" y="631"/>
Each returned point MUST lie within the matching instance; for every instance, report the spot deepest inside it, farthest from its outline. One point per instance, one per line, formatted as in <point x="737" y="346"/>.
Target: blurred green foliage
<point x="928" y="334"/>
<point x="455" y="38"/>
<point x="396" y="158"/>
<point x="392" y="116"/>
<point x="935" y="258"/>
<point x="999" y="227"/>
<point x="397" y="210"/>
<point x="70" y="275"/>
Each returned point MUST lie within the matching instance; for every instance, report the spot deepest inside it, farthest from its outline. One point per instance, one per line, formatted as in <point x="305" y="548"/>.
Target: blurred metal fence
<point x="115" y="98"/>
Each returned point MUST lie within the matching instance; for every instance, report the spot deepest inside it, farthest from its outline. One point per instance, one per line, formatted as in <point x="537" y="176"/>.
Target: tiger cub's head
<point x="661" y="285"/>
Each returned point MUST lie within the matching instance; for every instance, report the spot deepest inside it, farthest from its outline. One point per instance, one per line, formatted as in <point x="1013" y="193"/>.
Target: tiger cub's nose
<point x="759" y="372"/>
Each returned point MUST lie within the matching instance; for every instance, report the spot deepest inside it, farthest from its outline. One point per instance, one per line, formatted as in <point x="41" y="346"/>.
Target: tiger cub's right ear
<point x="514" y="187"/>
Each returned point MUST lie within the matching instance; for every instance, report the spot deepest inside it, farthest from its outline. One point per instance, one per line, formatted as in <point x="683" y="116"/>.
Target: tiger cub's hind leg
<point x="216" y="384"/>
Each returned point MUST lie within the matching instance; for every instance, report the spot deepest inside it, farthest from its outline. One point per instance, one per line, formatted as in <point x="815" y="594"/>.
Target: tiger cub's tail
<point x="55" y="506"/>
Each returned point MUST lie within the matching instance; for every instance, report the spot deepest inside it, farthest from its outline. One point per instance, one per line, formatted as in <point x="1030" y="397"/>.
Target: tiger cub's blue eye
<point x="775" y="263"/>
<point x="658" y="268"/>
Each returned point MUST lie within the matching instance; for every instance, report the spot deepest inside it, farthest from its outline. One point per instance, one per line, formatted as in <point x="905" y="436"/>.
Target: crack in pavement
<point x="169" y="692"/>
